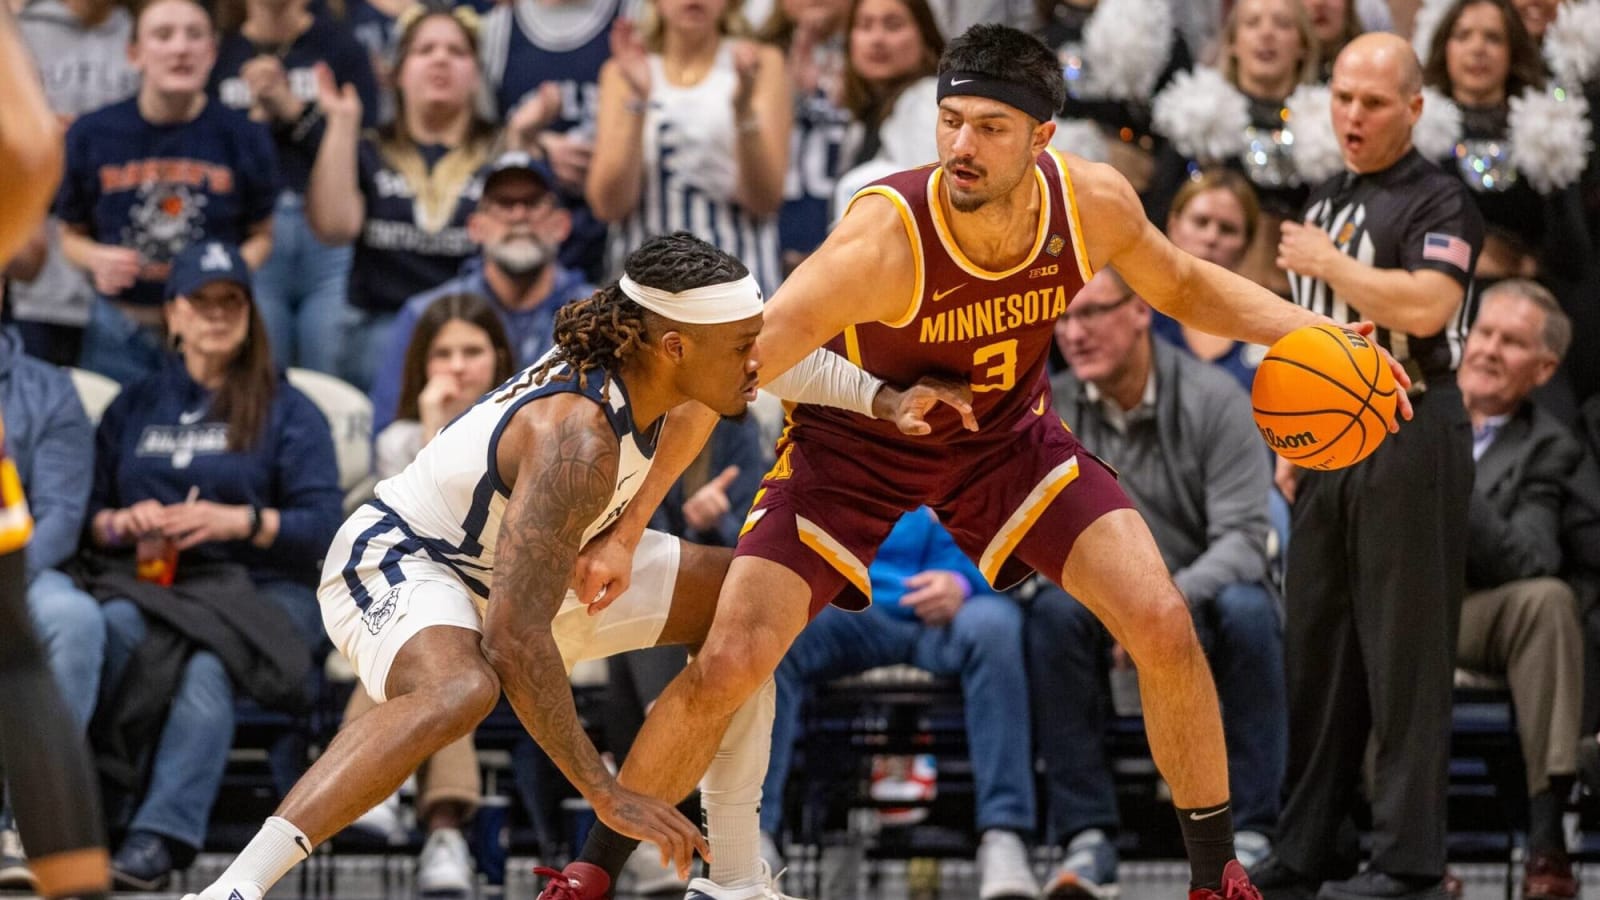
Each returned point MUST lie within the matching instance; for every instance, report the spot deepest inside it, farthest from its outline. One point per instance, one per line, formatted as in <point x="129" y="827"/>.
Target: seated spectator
<point x="222" y="475"/>
<point x="1519" y="619"/>
<point x="266" y="65"/>
<point x="932" y="609"/>
<point x="1482" y="58"/>
<point x="892" y="51"/>
<point x="1214" y="217"/>
<point x="518" y="223"/>
<point x="458" y="353"/>
<point x="693" y="134"/>
<point x="402" y="194"/>
<point x="150" y="175"/>
<point x="80" y="48"/>
<point x="52" y="443"/>
<point x="1241" y="120"/>
<point x="1177" y="430"/>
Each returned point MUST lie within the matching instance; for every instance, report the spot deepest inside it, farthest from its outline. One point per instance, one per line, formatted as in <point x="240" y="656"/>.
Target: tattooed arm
<point x="560" y="457"/>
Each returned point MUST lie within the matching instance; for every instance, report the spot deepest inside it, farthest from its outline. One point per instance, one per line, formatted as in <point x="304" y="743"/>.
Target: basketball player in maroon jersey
<point x="961" y="269"/>
<point x="42" y="749"/>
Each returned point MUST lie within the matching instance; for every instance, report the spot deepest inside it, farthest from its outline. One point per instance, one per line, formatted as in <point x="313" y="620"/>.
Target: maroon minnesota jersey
<point x="990" y="329"/>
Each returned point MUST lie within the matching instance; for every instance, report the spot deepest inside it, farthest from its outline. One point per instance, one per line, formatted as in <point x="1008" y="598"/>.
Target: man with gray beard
<point x="520" y="223"/>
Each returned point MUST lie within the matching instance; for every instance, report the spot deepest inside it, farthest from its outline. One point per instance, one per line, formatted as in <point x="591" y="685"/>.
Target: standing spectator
<point x="1377" y="565"/>
<point x="151" y="175"/>
<point x="1214" y="217"/>
<point x="520" y="223"/>
<point x="1481" y="57"/>
<point x="542" y="60"/>
<point x="1519" y="619"/>
<point x="218" y="461"/>
<point x="265" y="66"/>
<point x="457" y="353"/>
<point x="893" y="50"/>
<point x="52" y="443"/>
<point x="931" y="609"/>
<point x="693" y="134"/>
<point x="374" y="25"/>
<point x="811" y="34"/>
<point x="1268" y="50"/>
<point x="402" y="194"/>
<point x="81" y="50"/>
<point x="1179" y="433"/>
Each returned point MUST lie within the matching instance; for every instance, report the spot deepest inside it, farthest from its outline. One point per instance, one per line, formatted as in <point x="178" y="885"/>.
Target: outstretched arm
<point x="564" y="462"/>
<point x="30" y="143"/>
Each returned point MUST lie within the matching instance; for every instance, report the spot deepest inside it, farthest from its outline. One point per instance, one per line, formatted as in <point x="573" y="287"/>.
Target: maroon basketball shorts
<point x="1014" y="505"/>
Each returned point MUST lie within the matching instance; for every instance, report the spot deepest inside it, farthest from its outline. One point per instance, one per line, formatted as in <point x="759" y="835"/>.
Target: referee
<point x="1377" y="558"/>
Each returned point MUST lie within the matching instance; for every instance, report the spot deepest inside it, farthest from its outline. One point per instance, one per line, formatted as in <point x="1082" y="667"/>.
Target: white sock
<point x="276" y="848"/>
<point x="730" y="794"/>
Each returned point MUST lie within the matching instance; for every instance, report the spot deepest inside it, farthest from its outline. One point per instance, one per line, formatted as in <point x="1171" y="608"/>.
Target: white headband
<point x="712" y="304"/>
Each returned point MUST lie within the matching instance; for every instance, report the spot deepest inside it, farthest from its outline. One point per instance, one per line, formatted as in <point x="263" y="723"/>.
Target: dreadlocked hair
<point x="603" y="330"/>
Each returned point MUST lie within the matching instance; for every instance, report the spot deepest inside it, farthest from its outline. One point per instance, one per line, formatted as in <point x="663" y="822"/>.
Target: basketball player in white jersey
<point x="453" y="584"/>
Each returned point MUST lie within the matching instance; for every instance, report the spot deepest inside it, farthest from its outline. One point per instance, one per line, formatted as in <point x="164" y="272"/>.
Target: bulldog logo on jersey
<point x="381" y="610"/>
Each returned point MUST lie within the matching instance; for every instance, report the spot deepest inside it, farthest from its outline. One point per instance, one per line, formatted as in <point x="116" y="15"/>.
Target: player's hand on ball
<point x="649" y="819"/>
<point x="908" y="409"/>
<point x="1402" y="402"/>
<point x="603" y="571"/>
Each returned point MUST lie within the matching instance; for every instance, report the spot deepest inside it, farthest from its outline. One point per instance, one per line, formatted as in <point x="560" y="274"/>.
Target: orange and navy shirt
<point x="16" y="525"/>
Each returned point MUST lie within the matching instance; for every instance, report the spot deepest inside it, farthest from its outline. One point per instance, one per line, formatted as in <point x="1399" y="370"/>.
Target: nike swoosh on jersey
<point x="940" y="295"/>
<point x="1039" y="410"/>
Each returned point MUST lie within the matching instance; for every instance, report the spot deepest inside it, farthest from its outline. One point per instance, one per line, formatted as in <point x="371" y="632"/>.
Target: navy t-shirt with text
<point x="159" y="188"/>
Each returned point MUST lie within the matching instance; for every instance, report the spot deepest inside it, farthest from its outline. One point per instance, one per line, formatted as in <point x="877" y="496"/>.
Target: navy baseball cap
<point x="203" y="262"/>
<point x="518" y="161"/>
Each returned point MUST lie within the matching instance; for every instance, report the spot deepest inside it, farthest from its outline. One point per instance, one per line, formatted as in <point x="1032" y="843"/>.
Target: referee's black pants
<point x="1376" y="569"/>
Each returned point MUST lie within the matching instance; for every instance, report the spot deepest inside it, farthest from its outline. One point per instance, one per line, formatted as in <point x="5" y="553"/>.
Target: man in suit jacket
<point x="1519" y="619"/>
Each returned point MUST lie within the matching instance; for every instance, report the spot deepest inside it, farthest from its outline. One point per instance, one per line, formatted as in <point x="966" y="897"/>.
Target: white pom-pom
<point x="1082" y="137"/>
<point x="1315" y="149"/>
<point x="1429" y="15"/>
<point x="1572" y="42"/>
<point x="1549" y="137"/>
<point x="1126" y="44"/>
<point x="1439" y="127"/>
<point x="1203" y="115"/>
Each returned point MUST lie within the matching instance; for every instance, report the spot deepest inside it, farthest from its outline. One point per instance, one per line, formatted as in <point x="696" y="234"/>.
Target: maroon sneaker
<point x="578" y="881"/>
<point x="1235" y="886"/>
<point x="1548" y="876"/>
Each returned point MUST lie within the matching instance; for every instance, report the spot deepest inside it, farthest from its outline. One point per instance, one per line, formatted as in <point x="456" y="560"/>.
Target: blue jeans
<point x="366" y="337"/>
<point x="300" y="292"/>
<point x="73" y="633"/>
<point x="192" y="751"/>
<point x="118" y="347"/>
<point x="1242" y="633"/>
<point x="982" y="645"/>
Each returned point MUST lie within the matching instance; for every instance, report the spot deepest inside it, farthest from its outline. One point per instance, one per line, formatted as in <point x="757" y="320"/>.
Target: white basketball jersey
<point x="448" y="503"/>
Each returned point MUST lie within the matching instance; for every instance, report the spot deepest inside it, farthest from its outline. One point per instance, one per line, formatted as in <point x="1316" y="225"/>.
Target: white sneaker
<point x="383" y="821"/>
<point x="771" y="854"/>
<point x="765" y="888"/>
<point x="238" y="892"/>
<point x="648" y="875"/>
<point x="1004" y="869"/>
<point x="1251" y="847"/>
<point x="444" y="868"/>
<point x="14" y="871"/>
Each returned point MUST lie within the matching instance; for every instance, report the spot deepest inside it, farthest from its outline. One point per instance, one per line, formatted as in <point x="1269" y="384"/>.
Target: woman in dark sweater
<point x="213" y="459"/>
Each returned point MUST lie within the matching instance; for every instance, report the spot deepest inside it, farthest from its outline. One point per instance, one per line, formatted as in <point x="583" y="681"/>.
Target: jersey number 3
<point x="996" y="365"/>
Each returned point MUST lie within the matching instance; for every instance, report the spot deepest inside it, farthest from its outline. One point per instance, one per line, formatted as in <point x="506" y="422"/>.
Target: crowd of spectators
<point x="401" y="195"/>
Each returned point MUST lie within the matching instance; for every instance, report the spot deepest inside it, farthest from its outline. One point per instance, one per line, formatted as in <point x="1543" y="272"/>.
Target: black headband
<point x="1029" y="99"/>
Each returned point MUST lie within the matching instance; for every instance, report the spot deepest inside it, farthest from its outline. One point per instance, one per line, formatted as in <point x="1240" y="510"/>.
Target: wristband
<point x="255" y="522"/>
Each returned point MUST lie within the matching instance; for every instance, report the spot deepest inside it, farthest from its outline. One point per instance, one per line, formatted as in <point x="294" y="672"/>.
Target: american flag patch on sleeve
<point x="1449" y="249"/>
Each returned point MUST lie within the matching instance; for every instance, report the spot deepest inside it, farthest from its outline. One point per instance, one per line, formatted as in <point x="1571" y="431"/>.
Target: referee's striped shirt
<point x="1410" y="216"/>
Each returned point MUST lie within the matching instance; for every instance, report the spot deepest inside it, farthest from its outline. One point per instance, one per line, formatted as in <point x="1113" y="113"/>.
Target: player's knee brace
<point x="736" y="773"/>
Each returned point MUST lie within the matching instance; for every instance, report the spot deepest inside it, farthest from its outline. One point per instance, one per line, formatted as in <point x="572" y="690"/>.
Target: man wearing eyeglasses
<point x="1179" y="433"/>
<point x="520" y="223"/>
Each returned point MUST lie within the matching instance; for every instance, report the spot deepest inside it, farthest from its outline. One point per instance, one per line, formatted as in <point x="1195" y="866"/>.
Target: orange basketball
<point x="1323" y="397"/>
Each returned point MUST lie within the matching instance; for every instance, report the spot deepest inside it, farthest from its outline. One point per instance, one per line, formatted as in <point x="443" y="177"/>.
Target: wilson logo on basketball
<point x="1288" y="441"/>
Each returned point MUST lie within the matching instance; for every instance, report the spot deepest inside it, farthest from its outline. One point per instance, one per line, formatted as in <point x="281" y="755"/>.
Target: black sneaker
<point x="1375" y="885"/>
<point x="1276" y="881"/>
<point x="142" y="863"/>
<point x="14" y="872"/>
